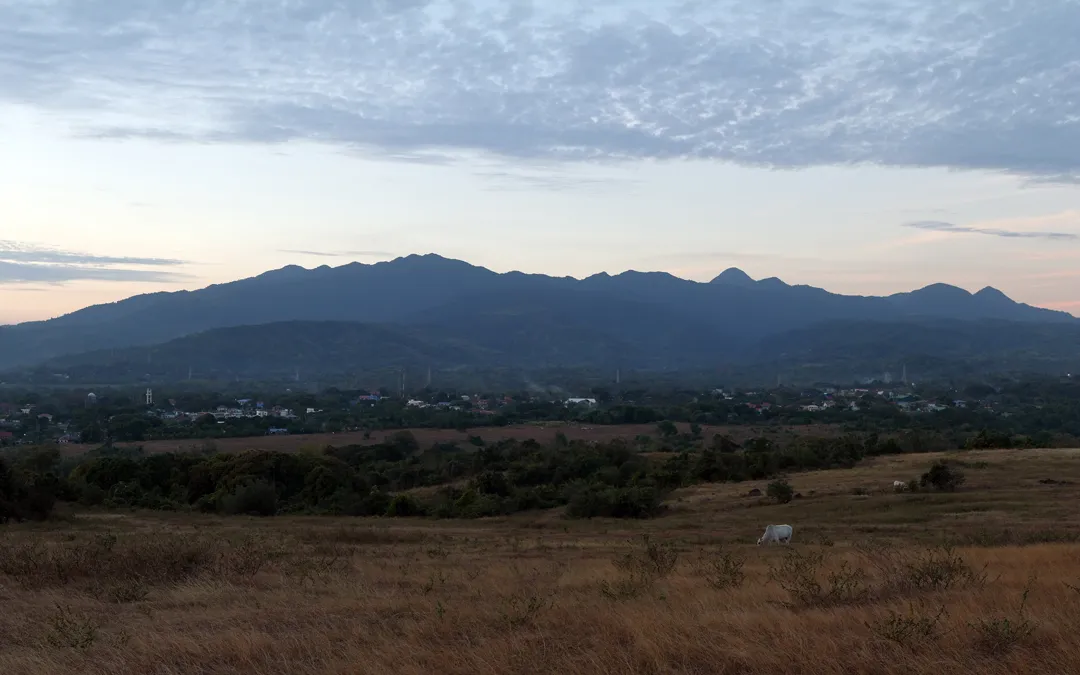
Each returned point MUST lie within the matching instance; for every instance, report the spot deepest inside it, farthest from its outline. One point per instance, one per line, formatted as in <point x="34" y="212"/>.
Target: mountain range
<point x="426" y="311"/>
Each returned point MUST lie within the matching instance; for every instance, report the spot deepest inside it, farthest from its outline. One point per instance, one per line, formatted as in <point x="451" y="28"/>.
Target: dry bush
<point x="906" y="571"/>
<point x="808" y="582"/>
<point x="533" y="594"/>
<point x="999" y="634"/>
<point x="320" y="564"/>
<point x="721" y="569"/>
<point x="910" y="629"/>
<point x="121" y="568"/>
<point x="71" y="630"/>
<point x="640" y="568"/>
<point x="105" y="558"/>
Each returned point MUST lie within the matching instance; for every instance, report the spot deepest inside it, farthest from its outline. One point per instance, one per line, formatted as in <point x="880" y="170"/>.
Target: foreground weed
<point x="322" y="564"/>
<point x="803" y="577"/>
<point x="247" y="558"/>
<point x="722" y="569"/>
<point x="933" y="569"/>
<point x="69" y="630"/>
<point x="909" y="629"/>
<point x="640" y="568"/>
<point x="654" y="559"/>
<point x="998" y="635"/>
<point x="522" y="608"/>
<point x="535" y="594"/>
<point x="123" y="592"/>
<point x="434" y="580"/>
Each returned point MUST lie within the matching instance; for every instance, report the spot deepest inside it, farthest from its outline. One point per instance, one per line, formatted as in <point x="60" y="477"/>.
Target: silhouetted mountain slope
<point x="545" y="337"/>
<point x="652" y="318"/>
<point x="588" y="328"/>
<point x="844" y="350"/>
<point x="270" y="351"/>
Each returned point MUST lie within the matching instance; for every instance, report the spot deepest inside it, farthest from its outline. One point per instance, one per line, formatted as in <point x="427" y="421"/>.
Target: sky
<point x="864" y="146"/>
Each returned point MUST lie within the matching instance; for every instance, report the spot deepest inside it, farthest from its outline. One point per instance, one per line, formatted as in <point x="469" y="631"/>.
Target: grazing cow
<point x="776" y="534"/>
<point x="754" y="493"/>
<point x="899" y="485"/>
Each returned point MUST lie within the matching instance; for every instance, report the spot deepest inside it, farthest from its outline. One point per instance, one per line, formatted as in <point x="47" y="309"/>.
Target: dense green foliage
<point x="942" y="476"/>
<point x="28" y="489"/>
<point x="627" y="478"/>
<point x="397" y="478"/>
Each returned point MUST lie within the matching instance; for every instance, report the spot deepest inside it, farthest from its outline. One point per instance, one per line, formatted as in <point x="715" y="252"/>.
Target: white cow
<point x="776" y="534"/>
<point x="899" y="485"/>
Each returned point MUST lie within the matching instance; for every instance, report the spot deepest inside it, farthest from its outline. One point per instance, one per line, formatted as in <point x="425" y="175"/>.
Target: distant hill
<point x="432" y="310"/>
<point x="471" y="347"/>
<point x="929" y="349"/>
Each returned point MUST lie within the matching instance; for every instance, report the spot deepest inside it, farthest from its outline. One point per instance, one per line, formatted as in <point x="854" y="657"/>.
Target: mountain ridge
<point x="733" y="311"/>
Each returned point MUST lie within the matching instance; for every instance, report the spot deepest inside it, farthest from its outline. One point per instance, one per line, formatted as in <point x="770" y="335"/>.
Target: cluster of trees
<point x="398" y="478"/>
<point x="28" y="488"/>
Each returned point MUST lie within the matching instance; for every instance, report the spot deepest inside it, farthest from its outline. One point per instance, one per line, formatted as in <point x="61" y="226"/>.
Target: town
<point x="132" y="415"/>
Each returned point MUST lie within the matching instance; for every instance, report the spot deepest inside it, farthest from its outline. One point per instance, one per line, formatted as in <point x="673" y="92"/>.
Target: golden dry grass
<point x="179" y="593"/>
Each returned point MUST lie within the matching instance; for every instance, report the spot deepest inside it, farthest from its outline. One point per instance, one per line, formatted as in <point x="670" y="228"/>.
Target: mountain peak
<point x="991" y="292"/>
<point x="774" y="283"/>
<point x="733" y="276"/>
<point x="942" y="290"/>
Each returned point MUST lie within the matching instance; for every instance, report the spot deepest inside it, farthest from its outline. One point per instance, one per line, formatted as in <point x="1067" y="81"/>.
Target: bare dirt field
<point x="865" y="587"/>
<point x="426" y="437"/>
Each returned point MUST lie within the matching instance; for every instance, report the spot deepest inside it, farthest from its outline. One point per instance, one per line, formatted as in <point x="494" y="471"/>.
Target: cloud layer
<point x="979" y="84"/>
<point x="339" y="254"/>
<point x="941" y="226"/>
<point x="22" y="263"/>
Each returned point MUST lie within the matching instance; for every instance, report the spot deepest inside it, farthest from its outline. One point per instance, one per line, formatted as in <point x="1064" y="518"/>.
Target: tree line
<point x="398" y="478"/>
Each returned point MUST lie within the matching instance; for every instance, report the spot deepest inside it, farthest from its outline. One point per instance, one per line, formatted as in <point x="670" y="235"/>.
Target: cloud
<point x="22" y="263"/>
<point x="18" y="252"/>
<point x="556" y="182"/>
<point x="340" y="254"/>
<point x="974" y="84"/>
<point x="941" y="226"/>
<point x="722" y="256"/>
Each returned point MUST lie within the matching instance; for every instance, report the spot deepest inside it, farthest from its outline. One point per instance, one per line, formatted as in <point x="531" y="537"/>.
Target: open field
<point x="543" y="433"/>
<point x="864" y="588"/>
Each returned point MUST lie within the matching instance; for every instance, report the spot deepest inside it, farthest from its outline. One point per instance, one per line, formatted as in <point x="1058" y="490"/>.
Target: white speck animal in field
<point x="776" y="534"/>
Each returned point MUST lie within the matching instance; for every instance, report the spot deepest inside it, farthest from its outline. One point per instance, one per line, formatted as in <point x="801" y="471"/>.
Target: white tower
<point x="149" y="397"/>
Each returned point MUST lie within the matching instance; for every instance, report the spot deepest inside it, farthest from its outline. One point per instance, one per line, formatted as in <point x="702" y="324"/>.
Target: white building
<point x="581" y="401"/>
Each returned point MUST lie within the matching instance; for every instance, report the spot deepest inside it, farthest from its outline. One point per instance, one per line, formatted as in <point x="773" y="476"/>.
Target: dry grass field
<point x="866" y="586"/>
<point x="543" y="433"/>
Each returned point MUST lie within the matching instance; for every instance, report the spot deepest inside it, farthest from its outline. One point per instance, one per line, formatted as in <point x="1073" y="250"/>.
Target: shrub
<point x="935" y="569"/>
<point x="257" y="497"/>
<point x="722" y="570"/>
<point x="910" y="629"/>
<point x="26" y="496"/>
<point x="404" y="506"/>
<point x="781" y="491"/>
<point x="641" y="568"/>
<point x="997" y="635"/>
<point x="800" y="575"/>
<point x="667" y="429"/>
<point x="942" y="476"/>
<point x="69" y="630"/>
<point x="612" y="502"/>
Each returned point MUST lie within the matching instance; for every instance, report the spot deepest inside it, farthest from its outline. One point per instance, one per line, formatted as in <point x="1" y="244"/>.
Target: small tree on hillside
<point x="943" y="477"/>
<point x="667" y="429"/>
<point x="781" y="491"/>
